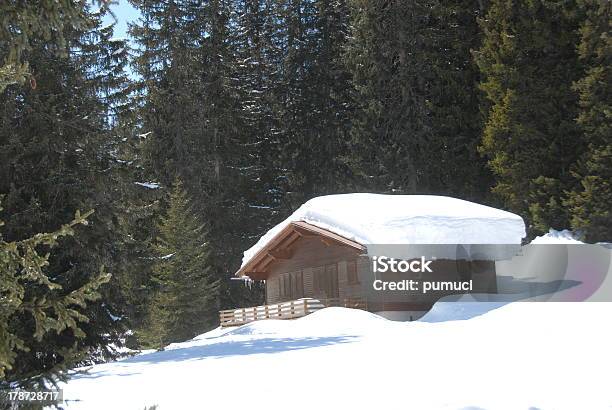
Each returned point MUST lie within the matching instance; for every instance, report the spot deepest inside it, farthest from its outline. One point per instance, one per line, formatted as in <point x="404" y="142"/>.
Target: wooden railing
<point x="285" y="310"/>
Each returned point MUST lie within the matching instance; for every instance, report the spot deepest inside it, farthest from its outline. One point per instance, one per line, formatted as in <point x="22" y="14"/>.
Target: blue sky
<point x="124" y="12"/>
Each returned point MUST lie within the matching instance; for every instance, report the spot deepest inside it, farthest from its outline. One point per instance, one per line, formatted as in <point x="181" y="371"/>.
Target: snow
<point x="403" y="219"/>
<point x="490" y="356"/>
<point x="557" y="237"/>
<point x="113" y="317"/>
<point x="150" y="185"/>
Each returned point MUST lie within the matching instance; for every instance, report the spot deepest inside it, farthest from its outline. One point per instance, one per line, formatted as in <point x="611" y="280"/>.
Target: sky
<point x="124" y="12"/>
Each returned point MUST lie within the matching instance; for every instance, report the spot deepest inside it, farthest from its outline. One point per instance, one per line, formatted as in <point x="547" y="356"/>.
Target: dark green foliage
<point x="259" y="105"/>
<point x="56" y="157"/>
<point x="528" y="63"/>
<point x="388" y="60"/>
<point x="23" y="21"/>
<point x="251" y="180"/>
<point x="590" y="203"/>
<point x="455" y="168"/>
<point x="186" y="300"/>
<point x="136" y="207"/>
<point x="416" y="123"/>
<point x="312" y="92"/>
<point x="192" y="115"/>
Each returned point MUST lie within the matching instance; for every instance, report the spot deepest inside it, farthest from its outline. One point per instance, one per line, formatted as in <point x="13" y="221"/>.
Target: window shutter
<point x="351" y="273"/>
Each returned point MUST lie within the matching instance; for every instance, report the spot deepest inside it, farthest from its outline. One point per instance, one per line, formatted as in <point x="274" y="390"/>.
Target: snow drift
<point x="555" y="237"/>
<point x="516" y="356"/>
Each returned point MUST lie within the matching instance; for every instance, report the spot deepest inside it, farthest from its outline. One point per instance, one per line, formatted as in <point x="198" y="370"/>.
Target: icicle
<point x="246" y="281"/>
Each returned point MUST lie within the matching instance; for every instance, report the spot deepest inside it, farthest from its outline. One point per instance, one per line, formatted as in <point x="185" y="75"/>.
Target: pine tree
<point x="145" y="150"/>
<point x="590" y="202"/>
<point x="256" y="42"/>
<point x="191" y="110"/>
<point x="416" y="123"/>
<point x="187" y="103"/>
<point x="24" y="21"/>
<point x="456" y="168"/>
<point x="313" y="92"/>
<point x="528" y="63"/>
<point x="33" y="304"/>
<point x="187" y="298"/>
<point x="140" y="200"/>
<point x="391" y="130"/>
<point x="56" y="157"/>
<point x="256" y="194"/>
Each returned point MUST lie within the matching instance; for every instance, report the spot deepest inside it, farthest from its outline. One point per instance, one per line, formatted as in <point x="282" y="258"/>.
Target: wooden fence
<point x="285" y="310"/>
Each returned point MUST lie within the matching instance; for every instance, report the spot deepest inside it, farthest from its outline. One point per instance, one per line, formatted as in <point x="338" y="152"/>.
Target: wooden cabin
<point x="304" y="261"/>
<point x="307" y="267"/>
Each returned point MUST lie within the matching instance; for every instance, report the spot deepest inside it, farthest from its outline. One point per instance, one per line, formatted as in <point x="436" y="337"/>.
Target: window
<point x="291" y="285"/>
<point x="351" y="273"/>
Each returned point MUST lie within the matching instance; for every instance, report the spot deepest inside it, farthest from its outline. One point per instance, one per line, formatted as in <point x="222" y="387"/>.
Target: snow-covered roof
<point x="403" y="219"/>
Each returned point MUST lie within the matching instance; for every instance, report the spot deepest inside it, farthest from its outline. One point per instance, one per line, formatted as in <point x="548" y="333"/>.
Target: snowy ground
<point x="461" y="355"/>
<point x="513" y="356"/>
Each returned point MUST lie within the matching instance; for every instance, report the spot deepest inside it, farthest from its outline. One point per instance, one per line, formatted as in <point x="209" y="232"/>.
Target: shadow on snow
<point x="464" y="307"/>
<point x="225" y="349"/>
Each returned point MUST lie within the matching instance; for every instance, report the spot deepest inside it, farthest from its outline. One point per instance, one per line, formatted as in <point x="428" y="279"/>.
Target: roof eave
<point x="287" y="236"/>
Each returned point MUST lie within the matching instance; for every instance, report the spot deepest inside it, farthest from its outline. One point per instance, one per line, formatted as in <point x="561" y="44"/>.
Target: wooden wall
<point x="322" y="270"/>
<point x="318" y="264"/>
